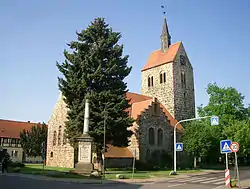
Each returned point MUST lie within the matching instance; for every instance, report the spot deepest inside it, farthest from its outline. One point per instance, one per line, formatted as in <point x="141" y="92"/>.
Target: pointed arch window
<point x="150" y="81"/>
<point x="54" y="138"/>
<point x="163" y="77"/>
<point x="59" y="140"/>
<point x="183" y="80"/>
<point x="151" y="136"/>
<point x="160" y="137"/>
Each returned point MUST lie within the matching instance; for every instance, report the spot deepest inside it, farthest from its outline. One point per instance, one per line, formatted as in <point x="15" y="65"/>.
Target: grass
<point x="37" y="169"/>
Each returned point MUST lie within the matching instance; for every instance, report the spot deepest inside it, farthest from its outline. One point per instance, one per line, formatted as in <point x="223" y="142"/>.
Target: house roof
<point x="12" y="129"/>
<point x="158" y="57"/>
<point x="118" y="152"/>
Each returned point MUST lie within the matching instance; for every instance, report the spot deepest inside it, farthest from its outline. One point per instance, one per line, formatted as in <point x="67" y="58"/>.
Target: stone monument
<point x="84" y="165"/>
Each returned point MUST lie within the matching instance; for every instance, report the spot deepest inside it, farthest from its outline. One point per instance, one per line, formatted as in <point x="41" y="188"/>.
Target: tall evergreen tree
<point x="95" y="69"/>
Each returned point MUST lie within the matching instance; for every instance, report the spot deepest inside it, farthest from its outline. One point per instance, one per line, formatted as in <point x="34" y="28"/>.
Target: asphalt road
<point x="204" y="181"/>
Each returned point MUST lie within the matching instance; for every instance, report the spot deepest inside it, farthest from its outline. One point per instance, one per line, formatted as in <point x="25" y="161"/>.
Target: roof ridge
<point x="8" y="120"/>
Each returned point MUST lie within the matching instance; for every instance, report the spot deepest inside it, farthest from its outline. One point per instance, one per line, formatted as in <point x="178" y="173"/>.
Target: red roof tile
<point x="12" y="129"/>
<point x="158" y="57"/>
<point x="118" y="152"/>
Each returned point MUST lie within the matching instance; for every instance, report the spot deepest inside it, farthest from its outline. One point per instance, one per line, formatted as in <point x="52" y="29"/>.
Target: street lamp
<point x="185" y="120"/>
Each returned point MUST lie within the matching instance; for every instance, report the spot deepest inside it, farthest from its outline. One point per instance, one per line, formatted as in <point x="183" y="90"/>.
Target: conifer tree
<point x="95" y="68"/>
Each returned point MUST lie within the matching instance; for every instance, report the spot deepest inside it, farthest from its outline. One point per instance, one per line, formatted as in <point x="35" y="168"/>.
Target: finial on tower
<point x="165" y="36"/>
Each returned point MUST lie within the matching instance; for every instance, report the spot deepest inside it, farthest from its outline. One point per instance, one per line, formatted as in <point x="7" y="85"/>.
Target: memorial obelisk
<point x="84" y="165"/>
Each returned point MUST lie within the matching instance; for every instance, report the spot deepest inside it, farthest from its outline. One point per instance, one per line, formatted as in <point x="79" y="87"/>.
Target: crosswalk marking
<point x="203" y="180"/>
<point x="211" y="180"/>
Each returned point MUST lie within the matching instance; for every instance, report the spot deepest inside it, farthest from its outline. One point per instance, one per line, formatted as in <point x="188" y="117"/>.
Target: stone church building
<point x="167" y="87"/>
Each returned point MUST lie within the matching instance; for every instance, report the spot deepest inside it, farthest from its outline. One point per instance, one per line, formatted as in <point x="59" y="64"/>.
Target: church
<point x="167" y="96"/>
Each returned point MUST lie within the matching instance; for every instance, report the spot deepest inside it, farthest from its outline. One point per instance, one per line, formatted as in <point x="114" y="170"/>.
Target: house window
<point x="54" y="138"/>
<point x="164" y="77"/>
<point x="14" y="153"/>
<point x="152" y="81"/>
<point x="160" y="137"/>
<point x="151" y="136"/>
<point x="148" y="81"/>
<point x="161" y="78"/>
<point x="59" y="140"/>
<point x="183" y="80"/>
<point x="51" y="154"/>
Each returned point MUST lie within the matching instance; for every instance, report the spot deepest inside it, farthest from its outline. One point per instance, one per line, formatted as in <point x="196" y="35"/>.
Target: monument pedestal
<point x="84" y="165"/>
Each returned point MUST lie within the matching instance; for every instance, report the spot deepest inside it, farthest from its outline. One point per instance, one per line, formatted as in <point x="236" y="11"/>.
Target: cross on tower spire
<point x="165" y="36"/>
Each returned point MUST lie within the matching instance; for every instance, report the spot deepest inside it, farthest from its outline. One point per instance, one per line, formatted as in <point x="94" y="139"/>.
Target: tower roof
<point x="165" y="27"/>
<point x="158" y="58"/>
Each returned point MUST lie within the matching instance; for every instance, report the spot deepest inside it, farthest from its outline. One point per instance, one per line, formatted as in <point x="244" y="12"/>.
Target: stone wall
<point x="164" y="92"/>
<point x="156" y="119"/>
<point x="178" y="101"/>
<point x="59" y="151"/>
<point x="184" y="96"/>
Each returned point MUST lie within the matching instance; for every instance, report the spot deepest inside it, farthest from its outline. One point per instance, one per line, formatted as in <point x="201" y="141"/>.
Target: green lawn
<point x="37" y="169"/>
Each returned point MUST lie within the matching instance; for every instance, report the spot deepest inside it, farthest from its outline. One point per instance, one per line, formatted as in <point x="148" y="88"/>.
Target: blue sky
<point x="34" y="34"/>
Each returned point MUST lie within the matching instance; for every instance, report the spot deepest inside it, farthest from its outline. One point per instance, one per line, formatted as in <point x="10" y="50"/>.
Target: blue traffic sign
<point x="225" y="146"/>
<point x="214" y="120"/>
<point x="179" y="147"/>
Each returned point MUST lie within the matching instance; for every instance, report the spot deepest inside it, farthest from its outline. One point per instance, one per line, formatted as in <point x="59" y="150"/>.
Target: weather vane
<point x="164" y="12"/>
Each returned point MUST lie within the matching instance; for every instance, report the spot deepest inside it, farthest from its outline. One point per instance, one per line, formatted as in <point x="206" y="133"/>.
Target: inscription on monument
<point x="85" y="152"/>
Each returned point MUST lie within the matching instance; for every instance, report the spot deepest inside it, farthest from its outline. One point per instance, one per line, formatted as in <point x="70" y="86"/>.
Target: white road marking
<point x="219" y="187"/>
<point x="201" y="179"/>
<point x="176" y="185"/>
<point x="211" y="180"/>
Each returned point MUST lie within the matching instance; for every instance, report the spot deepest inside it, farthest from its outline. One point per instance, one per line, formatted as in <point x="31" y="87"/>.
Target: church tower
<point x="168" y="76"/>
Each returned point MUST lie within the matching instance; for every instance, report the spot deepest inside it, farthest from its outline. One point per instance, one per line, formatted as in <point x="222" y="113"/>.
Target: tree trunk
<point x="195" y="160"/>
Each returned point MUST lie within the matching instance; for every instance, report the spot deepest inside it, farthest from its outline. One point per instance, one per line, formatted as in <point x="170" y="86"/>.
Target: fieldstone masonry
<point x="59" y="154"/>
<point x="178" y="100"/>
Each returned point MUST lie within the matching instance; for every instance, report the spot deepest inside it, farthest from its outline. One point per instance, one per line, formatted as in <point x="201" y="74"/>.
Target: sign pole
<point x="226" y="162"/>
<point x="133" y="169"/>
<point x="237" y="168"/>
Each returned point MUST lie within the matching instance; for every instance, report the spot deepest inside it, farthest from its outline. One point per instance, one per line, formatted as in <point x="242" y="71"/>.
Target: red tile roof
<point x="158" y="57"/>
<point x="12" y="129"/>
<point x="118" y="152"/>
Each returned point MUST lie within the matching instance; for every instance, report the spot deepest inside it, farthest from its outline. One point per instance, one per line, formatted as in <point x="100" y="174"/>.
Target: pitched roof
<point x="158" y="57"/>
<point x="118" y="152"/>
<point x="12" y="129"/>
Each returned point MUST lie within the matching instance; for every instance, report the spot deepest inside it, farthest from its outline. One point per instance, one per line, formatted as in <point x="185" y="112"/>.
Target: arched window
<point x="163" y="77"/>
<point x="152" y="81"/>
<point x="148" y="81"/>
<point x="160" y="77"/>
<point x="59" y="140"/>
<point x="51" y="154"/>
<point x="183" y="80"/>
<point x="54" y="138"/>
<point x="160" y="137"/>
<point x="151" y="136"/>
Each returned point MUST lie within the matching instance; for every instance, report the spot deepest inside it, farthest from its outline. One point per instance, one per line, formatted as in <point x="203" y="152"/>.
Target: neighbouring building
<point x="167" y="96"/>
<point x="10" y="140"/>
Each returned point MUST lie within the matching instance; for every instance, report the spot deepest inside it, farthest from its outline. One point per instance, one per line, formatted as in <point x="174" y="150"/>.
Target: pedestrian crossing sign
<point x="225" y="146"/>
<point x="179" y="147"/>
<point x="214" y="120"/>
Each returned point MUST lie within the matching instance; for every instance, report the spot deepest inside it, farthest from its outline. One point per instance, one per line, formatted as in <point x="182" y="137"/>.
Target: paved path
<point x="211" y="180"/>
